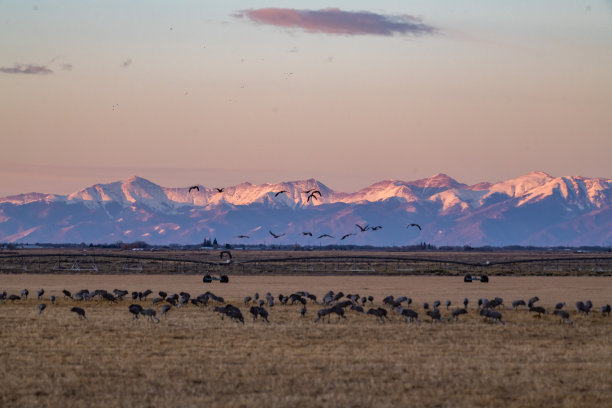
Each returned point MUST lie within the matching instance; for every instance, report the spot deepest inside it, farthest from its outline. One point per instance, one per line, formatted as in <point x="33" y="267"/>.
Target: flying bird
<point x="220" y="190"/>
<point x="242" y="236"/>
<point x="324" y="236"/>
<point x="279" y="192"/>
<point x="376" y="227"/>
<point x="276" y="236"/>
<point x="363" y="229"/>
<point x="194" y="188"/>
<point x="311" y="196"/>
<point x="414" y="225"/>
<point x="307" y="233"/>
<point x="346" y="236"/>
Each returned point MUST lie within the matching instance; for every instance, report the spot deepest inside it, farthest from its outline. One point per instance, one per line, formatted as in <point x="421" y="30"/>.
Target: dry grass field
<point x="194" y="358"/>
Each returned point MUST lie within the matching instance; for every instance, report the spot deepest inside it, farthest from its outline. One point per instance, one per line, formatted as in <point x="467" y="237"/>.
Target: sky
<point x="348" y="92"/>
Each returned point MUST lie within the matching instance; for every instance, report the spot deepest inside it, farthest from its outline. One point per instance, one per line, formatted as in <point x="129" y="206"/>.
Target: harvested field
<point x="194" y="358"/>
<point x="421" y="288"/>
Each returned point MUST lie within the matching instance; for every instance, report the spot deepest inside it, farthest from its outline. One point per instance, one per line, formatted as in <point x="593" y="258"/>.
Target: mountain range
<point x="534" y="209"/>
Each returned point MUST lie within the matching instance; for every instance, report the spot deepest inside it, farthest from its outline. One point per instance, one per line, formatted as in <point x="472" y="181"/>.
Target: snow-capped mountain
<point x="534" y="209"/>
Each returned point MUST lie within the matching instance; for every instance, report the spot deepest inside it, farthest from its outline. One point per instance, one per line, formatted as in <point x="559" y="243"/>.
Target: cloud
<point x="26" y="69"/>
<point x="336" y="21"/>
<point x="126" y="63"/>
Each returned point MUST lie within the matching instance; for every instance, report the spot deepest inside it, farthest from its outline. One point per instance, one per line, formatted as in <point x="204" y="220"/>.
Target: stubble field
<point x="194" y="358"/>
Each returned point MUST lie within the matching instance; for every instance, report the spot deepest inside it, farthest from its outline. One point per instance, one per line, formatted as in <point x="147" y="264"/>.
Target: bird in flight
<point x="363" y="229"/>
<point x="346" y="236"/>
<point x="242" y="236"/>
<point x="414" y="225"/>
<point x="194" y="188"/>
<point x="280" y="192"/>
<point x="324" y="236"/>
<point x="313" y="194"/>
<point x="220" y="190"/>
<point x="275" y="235"/>
<point x="307" y="233"/>
<point x="376" y="227"/>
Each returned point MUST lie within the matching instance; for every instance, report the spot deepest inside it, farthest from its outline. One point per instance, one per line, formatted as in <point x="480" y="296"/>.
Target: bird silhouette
<point x="279" y="192"/>
<point x="307" y="233"/>
<point x="220" y="190"/>
<point x="79" y="311"/>
<point x="363" y="229"/>
<point x="194" y="188"/>
<point x="242" y="236"/>
<point x="312" y="194"/>
<point x="376" y="227"/>
<point x="414" y="225"/>
<point x="346" y="236"/>
<point x="275" y="235"/>
<point x="324" y="236"/>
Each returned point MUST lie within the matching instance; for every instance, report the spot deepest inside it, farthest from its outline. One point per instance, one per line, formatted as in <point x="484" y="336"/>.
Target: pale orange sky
<point x="191" y="94"/>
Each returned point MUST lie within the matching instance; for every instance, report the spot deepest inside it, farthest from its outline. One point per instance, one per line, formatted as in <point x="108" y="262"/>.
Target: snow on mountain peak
<point x="520" y="185"/>
<point x="439" y="180"/>
<point x="29" y="198"/>
<point x="381" y="191"/>
<point x="136" y="188"/>
<point x="579" y="191"/>
<point x="458" y="199"/>
<point x="139" y="209"/>
<point x="128" y="192"/>
<point x="485" y="185"/>
<point x="247" y="193"/>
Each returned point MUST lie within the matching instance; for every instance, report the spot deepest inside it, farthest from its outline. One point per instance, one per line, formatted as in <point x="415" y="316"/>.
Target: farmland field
<point x="307" y="262"/>
<point x="194" y="358"/>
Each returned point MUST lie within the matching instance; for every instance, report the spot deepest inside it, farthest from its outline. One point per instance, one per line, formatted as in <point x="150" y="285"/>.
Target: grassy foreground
<point x="193" y="358"/>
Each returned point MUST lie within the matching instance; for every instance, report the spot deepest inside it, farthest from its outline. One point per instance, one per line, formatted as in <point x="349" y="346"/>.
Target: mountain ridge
<point x="532" y="209"/>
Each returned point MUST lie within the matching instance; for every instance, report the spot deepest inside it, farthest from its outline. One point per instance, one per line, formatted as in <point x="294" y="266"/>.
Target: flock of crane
<point x="363" y="228"/>
<point x="331" y="303"/>
<point x="311" y="194"/>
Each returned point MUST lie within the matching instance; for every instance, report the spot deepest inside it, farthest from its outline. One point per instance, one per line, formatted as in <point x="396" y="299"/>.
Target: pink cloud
<point x="336" y="21"/>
